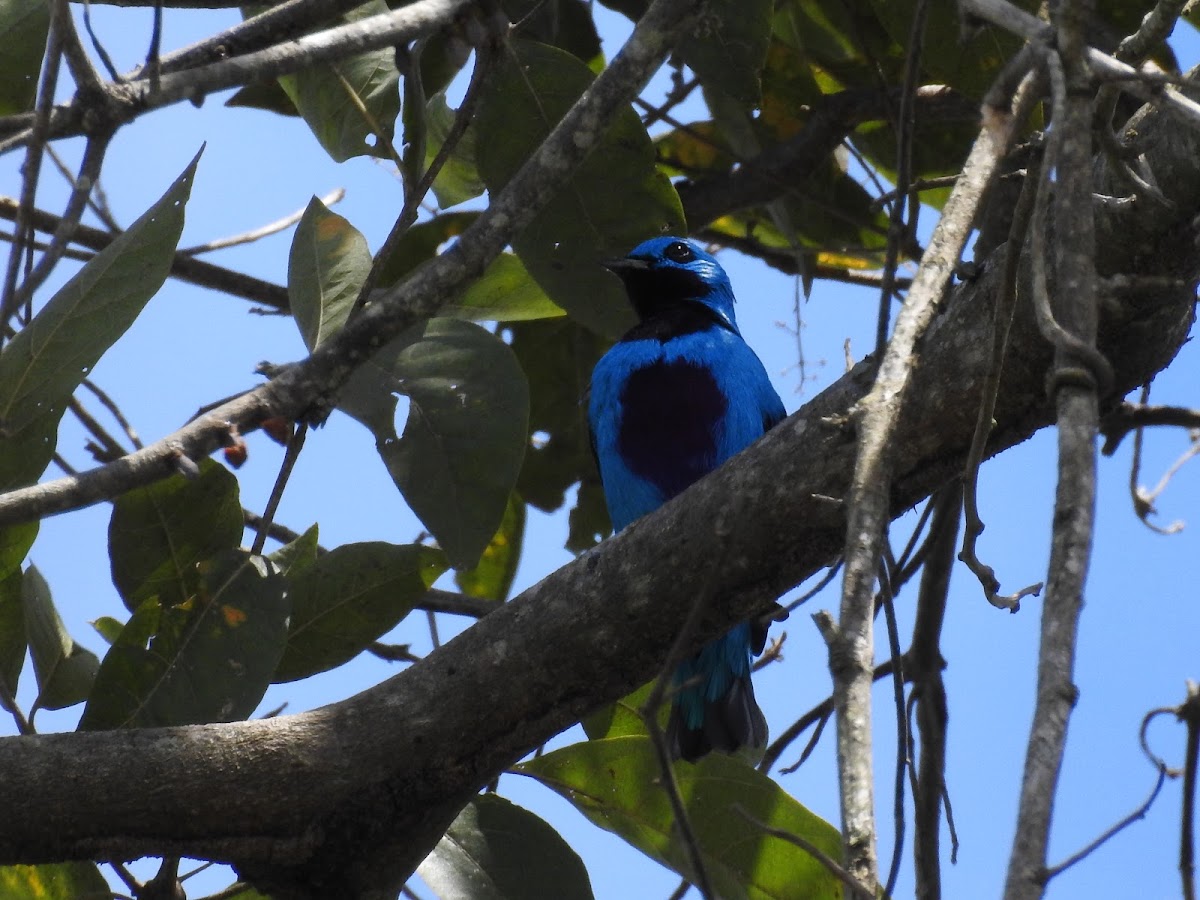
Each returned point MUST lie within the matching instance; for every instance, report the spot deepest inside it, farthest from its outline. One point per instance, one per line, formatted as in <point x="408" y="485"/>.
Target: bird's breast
<point x="672" y="414"/>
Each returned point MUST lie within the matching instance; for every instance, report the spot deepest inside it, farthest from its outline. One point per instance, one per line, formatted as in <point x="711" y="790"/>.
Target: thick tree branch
<point x="397" y="761"/>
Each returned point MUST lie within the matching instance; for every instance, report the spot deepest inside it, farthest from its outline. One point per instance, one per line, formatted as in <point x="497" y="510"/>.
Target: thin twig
<point x="808" y="847"/>
<point x="115" y="411"/>
<point x="257" y="234"/>
<point x="295" y="445"/>
<point x="902" y="739"/>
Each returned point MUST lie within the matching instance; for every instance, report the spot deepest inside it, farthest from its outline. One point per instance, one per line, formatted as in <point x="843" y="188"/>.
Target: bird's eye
<point x="679" y="252"/>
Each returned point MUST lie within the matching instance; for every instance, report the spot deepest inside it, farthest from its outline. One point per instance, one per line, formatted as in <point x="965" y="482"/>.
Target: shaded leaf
<point x="615" y="782"/>
<point x="462" y="446"/>
<point x="458" y="180"/>
<point x="265" y="95"/>
<point x="45" y="362"/>
<point x="12" y="632"/>
<point x="23" y="27"/>
<point x="492" y="578"/>
<point x="157" y="534"/>
<point x="326" y="96"/>
<point x="728" y="45"/>
<point x="54" y="881"/>
<point x="207" y="659"/>
<point x="421" y="242"/>
<point x="297" y="557"/>
<point x="64" y="670"/>
<point x="496" y="850"/>
<point x="351" y="596"/>
<point x="566" y="24"/>
<point x="15" y="541"/>
<point x="616" y="198"/>
<point x="327" y="266"/>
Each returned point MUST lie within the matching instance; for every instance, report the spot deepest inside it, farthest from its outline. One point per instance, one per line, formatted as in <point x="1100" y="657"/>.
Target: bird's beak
<point x="625" y="265"/>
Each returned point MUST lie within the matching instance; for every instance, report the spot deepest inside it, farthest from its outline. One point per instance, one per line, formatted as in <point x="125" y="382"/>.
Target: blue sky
<point x="1140" y="625"/>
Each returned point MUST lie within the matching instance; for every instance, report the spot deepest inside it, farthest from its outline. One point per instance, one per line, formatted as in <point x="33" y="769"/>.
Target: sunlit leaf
<point x="157" y="534"/>
<point x="328" y="97"/>
<point x="15" y="541"/>
<point x="616" y="783"/>
<point x="108" y="628"/>
<point x="504" y="293"/>
<point x="23" y="27"/>
<point x="496" y="850"/>
<point x="461" y="449"/>
<point x="623" y="717"/>
<point x="298" y="556"/>
<point x="492" y="578"/>
<point x="64" y="670"/>
<point x="54" y="881"/>
<point x="351" y="596"/>
<point x="207" y="659"/>
<point x="327" y="266"/>
<point x="615" y="199"/>
<point x="41" y="367"/>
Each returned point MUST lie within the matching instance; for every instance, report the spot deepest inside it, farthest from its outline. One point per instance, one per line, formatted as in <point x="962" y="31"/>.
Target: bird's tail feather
<point x="729" y="723"/>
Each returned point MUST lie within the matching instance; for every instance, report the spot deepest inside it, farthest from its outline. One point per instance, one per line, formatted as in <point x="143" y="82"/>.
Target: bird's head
<point x="665" y="272"/>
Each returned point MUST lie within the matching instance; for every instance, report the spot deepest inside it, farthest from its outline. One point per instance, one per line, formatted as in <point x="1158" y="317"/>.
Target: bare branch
<point x="257" y="234"/>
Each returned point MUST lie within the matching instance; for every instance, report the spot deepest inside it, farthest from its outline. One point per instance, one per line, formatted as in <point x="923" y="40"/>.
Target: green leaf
<point x="566" y="24"/>
<point x="623" y="717"/>
<point x="421" y="242"/>
<point x="15" y="541"/>
<point x="558" y="357"/>
<point x="616" y="198"/>
<point x="108" y="628"/>
<point x="207" y="659"/>
<point x="265" y="95"/>
<point x="496" y="850"/>
<point x="328" y="97"/>
<point x="351" y="596"/>
<point x="158" y="534"/>
<point x="458" y="180"/>
<point x="298" y="556"/>
<point x="327" y="266"/>
<point x="23" y="27"/>
<point x="728" y="46"/>
<point x="13" y="642"/>
<point x="492" y="579"/>
<point x="616" y="783"/>
<point x="45" y="362"/>
<point x="466" y="431"/>
<point x="64" y="670"/>
<point x="54" y="881"/>
<point x="504" y="293"/>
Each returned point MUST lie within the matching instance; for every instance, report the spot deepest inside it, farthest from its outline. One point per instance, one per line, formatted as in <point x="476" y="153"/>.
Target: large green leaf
<point x="614" y="200"/>
<point x="15" y="541"/>
<point x="566" y="24"/>
<point x="64" y="670"/>
<point x="615" y="782"/>
<point x="13" y="642"/>
<point x="492" y="579"/>
<point x="327" y="266"/>
<point x="495" y="850"/>
<point x="328" y="97"/>
<point x="45" y="362"/>
<point x="207" y="659"/>
<point x="298" y="556"/>
<point x="157" y="534"/>
<point x="462" y="446"/>
<point x="348" y="598"/>
<point x="458" y="180"/>
<point x="728" y="46"/>
<point x="54" y="881"/>
<point x="23" y="27"/>
<point x="558" y="357"/>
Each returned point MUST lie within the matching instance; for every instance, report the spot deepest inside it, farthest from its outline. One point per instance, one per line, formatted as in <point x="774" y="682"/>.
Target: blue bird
<point x="678" y="395"/>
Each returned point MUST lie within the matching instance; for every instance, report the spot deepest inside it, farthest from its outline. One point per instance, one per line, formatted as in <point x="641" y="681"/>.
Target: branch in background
<point x="851" y="644"/>
<point x="185" y="268"/>
<point x="1077" y="382"/>
<point x="1127" y="417"/>
<point x="257" y="234"/>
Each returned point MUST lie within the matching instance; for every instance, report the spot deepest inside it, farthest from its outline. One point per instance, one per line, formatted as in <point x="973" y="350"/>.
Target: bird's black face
<point x="656" y="283"/>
